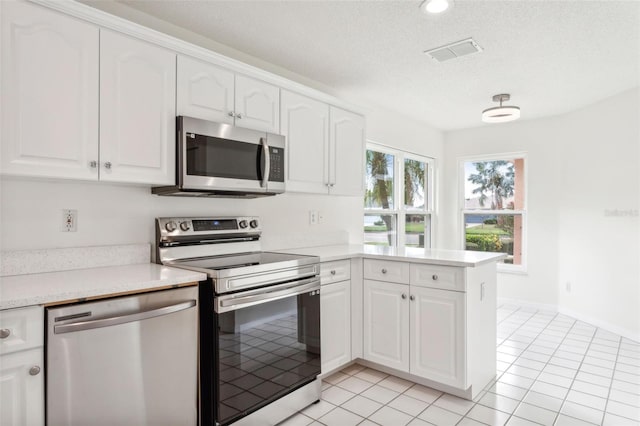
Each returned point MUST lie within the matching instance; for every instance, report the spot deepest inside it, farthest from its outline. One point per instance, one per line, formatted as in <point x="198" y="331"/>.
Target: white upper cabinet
<point x="205" y="91"/>
<point x="325" y="146"/>
<point x="211" y="93"/>
<point x="137" y="111"/>
<point x="257" y="104"/>
<point x="346" y="150"/>
<point x="305" y="125"/>
<point x="49" y="93"/>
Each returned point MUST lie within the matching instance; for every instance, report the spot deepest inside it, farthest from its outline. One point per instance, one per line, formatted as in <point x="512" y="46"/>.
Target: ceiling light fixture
<point x="434" y="6"/>
<point x="501" y="114"/>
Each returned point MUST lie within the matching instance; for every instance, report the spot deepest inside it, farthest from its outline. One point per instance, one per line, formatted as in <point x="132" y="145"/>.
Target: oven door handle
<point x="233" y="302"/>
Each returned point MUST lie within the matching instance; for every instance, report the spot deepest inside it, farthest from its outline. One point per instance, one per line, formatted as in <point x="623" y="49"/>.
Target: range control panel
<point x="185" y="226"/>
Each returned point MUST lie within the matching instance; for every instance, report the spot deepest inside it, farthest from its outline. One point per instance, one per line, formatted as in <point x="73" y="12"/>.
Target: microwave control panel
<point x="276" y="173"/>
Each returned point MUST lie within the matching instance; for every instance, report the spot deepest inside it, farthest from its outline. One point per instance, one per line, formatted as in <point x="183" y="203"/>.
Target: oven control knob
<point x="243" y="224"/>
<point x="171" y="226"/>
<point x="254" y="223"/>
<point x="184" y="226"/>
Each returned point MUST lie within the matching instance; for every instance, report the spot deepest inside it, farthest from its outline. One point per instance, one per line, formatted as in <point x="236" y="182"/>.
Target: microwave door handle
<point x="267" y="162"/>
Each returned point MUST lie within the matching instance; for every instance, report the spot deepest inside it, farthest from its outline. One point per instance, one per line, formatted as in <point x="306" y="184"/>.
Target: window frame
<point x="399" y="210"/>
<point x="501" y="267"/>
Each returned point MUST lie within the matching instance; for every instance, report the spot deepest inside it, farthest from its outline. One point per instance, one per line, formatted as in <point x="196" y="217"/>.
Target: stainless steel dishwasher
<point x="130" y="360"/>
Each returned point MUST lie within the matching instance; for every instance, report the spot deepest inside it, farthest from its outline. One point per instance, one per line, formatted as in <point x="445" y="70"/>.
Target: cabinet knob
<point x="404" y="296"/>
<point x="333" y="272"/>
<point x="434" y="277"/>
<point x="93" y="164"/>
<point x="107" y="165"/>
<point x="412" y="297"/>
<point x="384" y="270"/>
<point x="4" y="333"/>
<point x="34" y="371"/>
<point x="239" y="116"/>
<point x="230" y="114"/>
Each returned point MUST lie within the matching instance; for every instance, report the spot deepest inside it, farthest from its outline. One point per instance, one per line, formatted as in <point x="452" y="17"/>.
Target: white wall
<point x="579" y="166"/>
<point x="31" y="215"/>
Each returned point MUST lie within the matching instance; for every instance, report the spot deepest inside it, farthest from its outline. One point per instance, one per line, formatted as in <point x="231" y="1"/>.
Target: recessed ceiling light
<point x="434" y="6"/>
<point x="501" y="114"/>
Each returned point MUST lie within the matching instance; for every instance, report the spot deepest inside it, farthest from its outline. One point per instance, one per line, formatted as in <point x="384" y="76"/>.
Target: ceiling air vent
<point x="454" y="50"/>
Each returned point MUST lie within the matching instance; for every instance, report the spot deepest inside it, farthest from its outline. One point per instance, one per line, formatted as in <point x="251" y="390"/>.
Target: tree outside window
<point x="393" y="175"/>
<point x="494" y="209"/>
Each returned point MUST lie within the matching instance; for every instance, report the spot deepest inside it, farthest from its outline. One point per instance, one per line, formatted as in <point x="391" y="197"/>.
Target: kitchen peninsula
<point x="426" y="315"/>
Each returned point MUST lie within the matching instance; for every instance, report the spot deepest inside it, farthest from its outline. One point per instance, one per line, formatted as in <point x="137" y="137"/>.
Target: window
<point x="398" y="196"/>
<point x="494" y="207"/>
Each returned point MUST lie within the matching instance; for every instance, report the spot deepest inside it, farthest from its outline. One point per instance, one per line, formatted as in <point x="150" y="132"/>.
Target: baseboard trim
<point x="612" y="328"/>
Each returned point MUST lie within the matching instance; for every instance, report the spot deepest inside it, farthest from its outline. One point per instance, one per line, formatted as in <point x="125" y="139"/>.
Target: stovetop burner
<point x="230" y="255"/>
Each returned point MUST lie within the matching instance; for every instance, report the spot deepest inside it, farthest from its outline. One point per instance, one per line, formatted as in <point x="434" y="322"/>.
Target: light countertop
<point x="462" y="258"/>
<point x="52" y="287"/>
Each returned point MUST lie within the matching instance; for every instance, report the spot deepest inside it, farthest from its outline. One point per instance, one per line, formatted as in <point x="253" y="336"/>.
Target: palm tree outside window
<point x="493" y="207"/>
<point x="398" y="198"/>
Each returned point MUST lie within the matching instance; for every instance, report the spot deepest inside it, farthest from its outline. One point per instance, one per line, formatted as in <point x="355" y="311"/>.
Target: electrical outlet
<point x="69" y="220"/>
<point x="313" y="217"/>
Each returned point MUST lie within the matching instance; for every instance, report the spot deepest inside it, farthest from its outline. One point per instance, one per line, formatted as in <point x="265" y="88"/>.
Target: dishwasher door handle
<point x="122" y="319"/>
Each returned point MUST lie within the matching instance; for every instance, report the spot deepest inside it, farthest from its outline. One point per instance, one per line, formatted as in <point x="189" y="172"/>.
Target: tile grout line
<point x="521" y="401"/>
<point x="576" y="374"/>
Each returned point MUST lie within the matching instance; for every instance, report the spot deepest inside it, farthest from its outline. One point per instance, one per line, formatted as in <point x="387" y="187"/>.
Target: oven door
<point x="267" y="345"/>
<point x="215" y="156"/>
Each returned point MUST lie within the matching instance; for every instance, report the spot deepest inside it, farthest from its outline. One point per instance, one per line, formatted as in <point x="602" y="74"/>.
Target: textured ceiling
<point x="551" y="56"/>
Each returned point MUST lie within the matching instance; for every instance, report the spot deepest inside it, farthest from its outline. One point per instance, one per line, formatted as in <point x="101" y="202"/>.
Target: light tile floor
<point x="552" y="370"/>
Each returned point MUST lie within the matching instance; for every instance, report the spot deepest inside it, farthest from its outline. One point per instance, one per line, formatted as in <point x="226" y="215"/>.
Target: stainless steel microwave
<point x="220" y="160"/>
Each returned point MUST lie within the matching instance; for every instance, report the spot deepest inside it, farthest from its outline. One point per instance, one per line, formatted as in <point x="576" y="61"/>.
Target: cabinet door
<point x="437" y="335"/>
<point x="49" y="93"/>
<point x="386" y="324"/>
<point x="335" y="325"/>
<point x="305" y="125"/>
<point x="257" y="105"/>
<point x="21" y="391"/>
<point x="204" y="91"/>
<point x="137" y="111"/>
<point x="346" y="152"/>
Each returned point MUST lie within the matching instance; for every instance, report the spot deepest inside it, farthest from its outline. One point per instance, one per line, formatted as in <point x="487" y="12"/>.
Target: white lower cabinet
<point x="386" y="324"/>
<point x="417" y="327"/>
<point x="21" y="367"/>
<point x="436" y="323"/>
<point x="335" y="326"/>
<point x="335" y="315"/>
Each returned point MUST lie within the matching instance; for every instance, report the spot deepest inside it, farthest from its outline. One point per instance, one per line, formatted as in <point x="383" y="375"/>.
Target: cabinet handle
<point x="239" y="116"/>
<point x="93" y="164"/>
<point x="384" y="270"/>
<point x="4" y="333"/>
<point x="412" y="297"/>
<point x="107" y="165"/>
<point x="434" y="277"/>
<point x="34" y="371"/>
<point x="333" y="272"/>
<point x="404" y="296"/>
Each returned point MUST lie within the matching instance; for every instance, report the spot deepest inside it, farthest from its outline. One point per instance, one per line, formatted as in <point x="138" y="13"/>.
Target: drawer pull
<point x="333" y="272"/>
<point x="34" y="371"/>
<point x="4" y="333"/>
<point x="434" y="277"/>
<point x="384" y="270"/>
<point x="404" y="296"/>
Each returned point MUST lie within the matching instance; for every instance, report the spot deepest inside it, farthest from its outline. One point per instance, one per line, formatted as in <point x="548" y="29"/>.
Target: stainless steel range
<point x="259" y="319"/>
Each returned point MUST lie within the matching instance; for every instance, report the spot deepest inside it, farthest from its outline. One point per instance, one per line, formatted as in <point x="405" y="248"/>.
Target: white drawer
<point x="385" y="270"/>
<point x="23" y="328"/>
<point x="434" y="276"/>
<point x="332" y="272"/>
